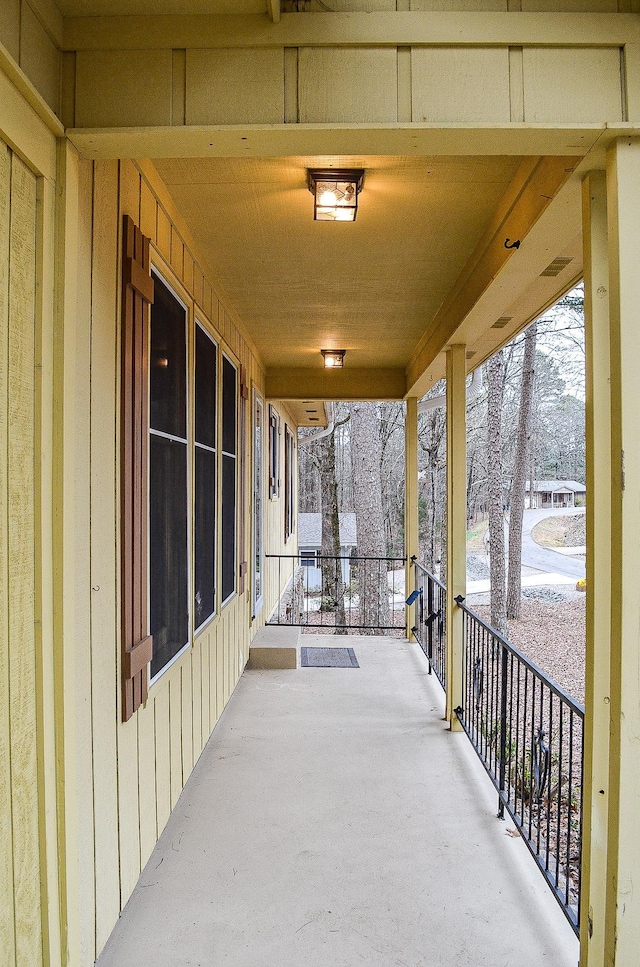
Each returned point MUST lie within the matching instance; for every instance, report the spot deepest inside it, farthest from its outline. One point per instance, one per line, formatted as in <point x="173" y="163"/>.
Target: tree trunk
<point x="495" y="373"/>
<point x="332" y="582"/>
<point x="373" y="589"/>
<point x="431" y="436"/>
<point x="519" y="474"/>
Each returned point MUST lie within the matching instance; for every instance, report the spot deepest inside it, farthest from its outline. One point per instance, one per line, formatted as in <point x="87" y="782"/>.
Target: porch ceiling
<point x="370" y="287"/>
<point x="377" y="287"/>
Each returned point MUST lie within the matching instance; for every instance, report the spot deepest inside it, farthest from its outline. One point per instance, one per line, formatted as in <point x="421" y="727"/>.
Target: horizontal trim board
<point x="281" y="140"/>
<point x="390" y="29"/>
<point x="27" y="125"/>
<point x="298" y="383"/>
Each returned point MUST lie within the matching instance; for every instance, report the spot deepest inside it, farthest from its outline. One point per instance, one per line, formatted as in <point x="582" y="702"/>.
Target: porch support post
<point x="599" y="476"/>
<point x="410" y="502"/>
<point x="456" y="524"/>
<point x="622" y="923"/>
<point x="64" y="418"/>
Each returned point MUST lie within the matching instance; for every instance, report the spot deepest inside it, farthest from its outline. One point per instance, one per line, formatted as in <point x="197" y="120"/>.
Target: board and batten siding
<point x="130" y="774"/>
<point x="21" y="909"/>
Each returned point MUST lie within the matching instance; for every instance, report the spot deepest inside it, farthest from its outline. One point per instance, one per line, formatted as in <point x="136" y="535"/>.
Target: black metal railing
<point x="430" y="626"/>
<point x="528" y="733"/>
<point x="339" y="594"/>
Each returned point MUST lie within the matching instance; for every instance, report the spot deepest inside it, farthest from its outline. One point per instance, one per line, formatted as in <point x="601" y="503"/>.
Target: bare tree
<point x="331" y="566"/>
<point x="495" y="373"/>
<point x="431" y="438"/>
<point x="516" y="512"/>
<point x="373" y="589"/>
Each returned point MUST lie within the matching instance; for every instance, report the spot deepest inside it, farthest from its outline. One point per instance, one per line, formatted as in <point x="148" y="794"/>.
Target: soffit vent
<point x="502" y="322"/>
<point x="556" y="267"/>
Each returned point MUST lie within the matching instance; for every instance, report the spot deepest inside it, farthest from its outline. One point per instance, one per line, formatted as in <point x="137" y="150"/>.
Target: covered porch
<point x="333" y="818"/>
<point x="501" y="152"/>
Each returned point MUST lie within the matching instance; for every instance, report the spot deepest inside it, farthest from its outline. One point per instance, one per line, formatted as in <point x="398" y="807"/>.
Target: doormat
<point x="328" y="658"/>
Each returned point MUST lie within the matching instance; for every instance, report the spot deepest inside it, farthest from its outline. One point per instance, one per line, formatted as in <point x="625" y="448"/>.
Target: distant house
<point x="555" y="494"/>
<point x="310" y="542"/>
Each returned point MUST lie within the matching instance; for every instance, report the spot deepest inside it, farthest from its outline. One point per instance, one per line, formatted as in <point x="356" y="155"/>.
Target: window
<point x="229" y="451"/>
<point x="179" y="458"/>
<point x="308" y="557"/>
<point x="205" y="477"/>
<point x="168" y="482"/>
<point x="274" y="453"/>
<point x="258" y="490"/>
<point x="289" y="490"/>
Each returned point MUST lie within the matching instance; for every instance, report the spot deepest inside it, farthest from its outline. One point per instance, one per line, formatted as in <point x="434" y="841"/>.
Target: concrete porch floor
<point x="333" y="820"/>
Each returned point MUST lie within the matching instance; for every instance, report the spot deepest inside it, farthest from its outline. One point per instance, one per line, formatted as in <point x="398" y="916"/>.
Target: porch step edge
<point x="275" y="647"/>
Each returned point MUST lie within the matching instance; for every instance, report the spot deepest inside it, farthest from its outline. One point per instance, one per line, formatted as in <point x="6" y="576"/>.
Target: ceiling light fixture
<point x="335" y="194"/>
<point x="333" y="358"/>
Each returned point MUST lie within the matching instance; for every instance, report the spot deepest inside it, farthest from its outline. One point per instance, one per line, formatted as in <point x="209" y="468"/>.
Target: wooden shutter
<point x="244" y="396"/>
<point x="137" y="295"/>
<point x="273" y="453"/>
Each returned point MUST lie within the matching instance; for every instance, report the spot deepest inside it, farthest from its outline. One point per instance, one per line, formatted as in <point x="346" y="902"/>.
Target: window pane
<point x="205" y="389"/>
<point x="228" y="525"/>
<point x="288" y="483"/>
<point x="258" y="487"/>
<point x="228" y="406"/>
<point x="274" y="469"/>
<point x="205" y="535"/>
<point x="168" y="363"/>
<point x="169" y="621"/>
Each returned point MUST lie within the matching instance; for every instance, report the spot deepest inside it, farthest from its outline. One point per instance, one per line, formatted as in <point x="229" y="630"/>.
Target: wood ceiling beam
<point x="273" y="8"/>
<point x="298" y="383"/>
<point x="285" y="140"/>
<point x="385" y="29"/>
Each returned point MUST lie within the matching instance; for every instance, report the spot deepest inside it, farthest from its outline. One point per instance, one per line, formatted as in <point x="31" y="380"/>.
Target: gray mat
<point x="328" y="658"/>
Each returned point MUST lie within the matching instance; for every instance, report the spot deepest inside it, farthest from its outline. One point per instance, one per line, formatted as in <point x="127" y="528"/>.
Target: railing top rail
<point x="424" y="570"/>
<point x="336" y="557"/>
<point x="515" y="651"/>
<point x="558" y="689"/>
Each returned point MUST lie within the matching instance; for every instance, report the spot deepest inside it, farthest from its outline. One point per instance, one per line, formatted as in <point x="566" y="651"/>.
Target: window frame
<point x="289" y="483"/>
<point x="236" y="367"/>
<point x="199" y="322"/>
<point x="274" y="453"/>
<point x="159" y="275"/>
<point x="257" y="512"/>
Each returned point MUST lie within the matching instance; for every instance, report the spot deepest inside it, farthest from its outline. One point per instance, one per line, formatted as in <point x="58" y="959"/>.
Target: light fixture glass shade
<point x="333" y="358"/>
<point x="335" y="194"/>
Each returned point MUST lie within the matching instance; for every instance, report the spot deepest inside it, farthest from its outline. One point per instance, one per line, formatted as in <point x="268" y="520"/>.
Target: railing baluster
<point x="515" y="717"/>
<point x="559" y="844"/>
<point x="569" y="810"/>
<point x="503" y="733"/>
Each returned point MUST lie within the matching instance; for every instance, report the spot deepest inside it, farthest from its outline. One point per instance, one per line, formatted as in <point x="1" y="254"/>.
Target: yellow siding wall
<point x="20" y="792"/>
<point x="131" y="774"/>
<point x="31" y="30"/>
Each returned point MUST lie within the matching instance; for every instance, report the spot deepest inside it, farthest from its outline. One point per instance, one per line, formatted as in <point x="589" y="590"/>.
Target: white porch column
<point x="410" y="501"/>
<point x="599" y="475"/>
<point x="622" y="924"/>
<point x="456" y="523"/>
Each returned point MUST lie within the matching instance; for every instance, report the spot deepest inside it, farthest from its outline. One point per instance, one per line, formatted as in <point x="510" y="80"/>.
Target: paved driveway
<point x="543" y="558"/>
